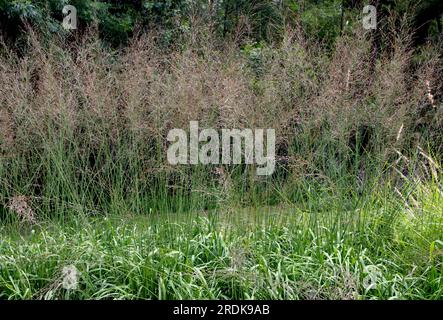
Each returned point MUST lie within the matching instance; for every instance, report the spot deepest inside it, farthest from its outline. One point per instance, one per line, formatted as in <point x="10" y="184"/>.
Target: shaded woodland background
<point x="261" y="20"/>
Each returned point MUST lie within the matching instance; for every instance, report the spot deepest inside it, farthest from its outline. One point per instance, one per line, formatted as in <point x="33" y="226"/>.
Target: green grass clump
<point x="372" y="252"/>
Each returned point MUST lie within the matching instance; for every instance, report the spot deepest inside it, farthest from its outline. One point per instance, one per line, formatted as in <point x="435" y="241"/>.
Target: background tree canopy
<point x="263" y="20"/>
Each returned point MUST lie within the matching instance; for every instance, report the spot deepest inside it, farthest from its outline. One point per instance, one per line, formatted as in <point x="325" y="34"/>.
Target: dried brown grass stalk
<point x="20" y="206"/>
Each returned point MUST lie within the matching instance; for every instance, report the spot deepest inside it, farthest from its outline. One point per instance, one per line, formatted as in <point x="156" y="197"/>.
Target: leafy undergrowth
<point x="270" y="253"/>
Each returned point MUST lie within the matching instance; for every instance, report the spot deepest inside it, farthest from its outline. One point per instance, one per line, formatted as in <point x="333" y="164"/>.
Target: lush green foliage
<point x="381" y="249"/>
